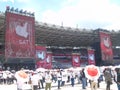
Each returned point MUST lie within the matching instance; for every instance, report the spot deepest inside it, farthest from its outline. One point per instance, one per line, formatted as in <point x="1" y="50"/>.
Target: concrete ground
<point x="66" y="87"/>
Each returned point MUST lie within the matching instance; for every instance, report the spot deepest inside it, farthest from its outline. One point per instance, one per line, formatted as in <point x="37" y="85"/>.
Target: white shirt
<point x="64" y="76"/>
<point x="48" y="78"/>
<point x="59" y="76"/>
<point x="35" y="79"/>
<point x="40" y="76"/>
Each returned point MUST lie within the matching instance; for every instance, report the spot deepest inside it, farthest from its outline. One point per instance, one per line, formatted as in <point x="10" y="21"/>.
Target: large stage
<point x="20" y="33"/>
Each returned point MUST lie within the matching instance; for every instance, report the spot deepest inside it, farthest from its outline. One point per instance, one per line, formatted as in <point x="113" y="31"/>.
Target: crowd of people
<point x="39" y="79"/>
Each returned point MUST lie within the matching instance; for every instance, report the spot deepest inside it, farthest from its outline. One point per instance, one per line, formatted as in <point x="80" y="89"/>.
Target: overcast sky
<point x="89" y="14"/>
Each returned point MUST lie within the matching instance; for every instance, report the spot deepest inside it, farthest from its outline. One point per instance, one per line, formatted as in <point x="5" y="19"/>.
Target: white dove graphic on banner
<point x="106" y="42"/>
<point x="76" y="59"/>
<point x="22" y="30"/>
<point x="41" y="55"/>
<point x="91" y="56"/>
<point x="48" y="59"/>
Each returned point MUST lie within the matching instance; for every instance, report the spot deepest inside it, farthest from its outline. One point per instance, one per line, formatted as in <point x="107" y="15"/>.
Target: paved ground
<point x="66" y="87"/>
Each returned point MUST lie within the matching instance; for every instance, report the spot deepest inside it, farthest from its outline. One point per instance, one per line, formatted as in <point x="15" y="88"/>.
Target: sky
<point x="87" y="14"/>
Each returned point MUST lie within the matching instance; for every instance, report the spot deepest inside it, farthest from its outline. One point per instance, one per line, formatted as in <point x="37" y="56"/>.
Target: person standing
<point x="22" y="79"/>
<point x="48" y="80"/>
<point x="59" y="78"/>
<point x="117" y="78"/>
<point x="64" y="78"/>
<point x="83" y="79"/>
<point x="41" y="82"/>
<point x="35" y="80"/>
<point x="72" y="78"/>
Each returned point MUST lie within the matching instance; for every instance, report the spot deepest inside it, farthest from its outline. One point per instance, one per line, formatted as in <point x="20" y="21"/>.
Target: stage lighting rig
<point x="17" y="11"/>
<point x="12" y="9"/>
<point x="21" y="11"/>
<point x="25" y="12"/>
<point x="32" y="14"/>
<point x="28" y="13"/>
<point x="7" y="8"/>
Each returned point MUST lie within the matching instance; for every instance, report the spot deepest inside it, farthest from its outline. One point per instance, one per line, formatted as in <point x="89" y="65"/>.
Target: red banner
<point x="19" y="36"/>
<point x="76" y="60"/>
<point x="48" y="64"/>
<point x="41" y="56"/>
<point x="91" y="57"/>
<point x="106" y="46"/>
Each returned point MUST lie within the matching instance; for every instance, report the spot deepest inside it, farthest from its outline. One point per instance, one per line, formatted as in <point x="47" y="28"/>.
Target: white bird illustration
<point x="76" y="59"/>
<point x="48" y="59"/>
<point x="22" y="30"/>
<point x="41" y="55"/>
<point x="91" y="56"/>
<point x="106" y="42"/>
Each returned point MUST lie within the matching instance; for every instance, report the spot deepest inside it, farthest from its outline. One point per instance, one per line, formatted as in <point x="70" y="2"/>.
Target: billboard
<point x="75" y="60"/>
<point x="41" y="54"/>
<point x="43" y="58"/>
<point x="91" y="57"/>
<point x="106" y="46"/>
<point x="19" y="36"/>
<point x="48" y="64"/>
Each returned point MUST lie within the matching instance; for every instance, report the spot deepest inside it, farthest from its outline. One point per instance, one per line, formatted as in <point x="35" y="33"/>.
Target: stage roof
<point x="60" y="36"/>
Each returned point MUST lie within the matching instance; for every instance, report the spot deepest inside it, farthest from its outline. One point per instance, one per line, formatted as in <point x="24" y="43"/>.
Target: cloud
<point x="113" y="26"/>
<point x="19" y="1"/>
<point x="7" y="1"/>
<point x="23" y="1"/>
<point x="102" y="12"/>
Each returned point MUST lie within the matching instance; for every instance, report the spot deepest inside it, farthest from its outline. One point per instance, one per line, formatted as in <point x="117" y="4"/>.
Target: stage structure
<point x="103" y="49"/>
<point x="64" y="46"/>
<point x="19" y="36"/>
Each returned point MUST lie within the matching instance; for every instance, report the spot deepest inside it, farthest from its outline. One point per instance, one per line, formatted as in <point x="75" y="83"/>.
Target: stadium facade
<point x="27" y="43"/>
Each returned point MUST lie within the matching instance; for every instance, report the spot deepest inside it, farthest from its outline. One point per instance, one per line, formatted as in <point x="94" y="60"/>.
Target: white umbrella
<point x="41" y="70"/>
<point x="22" y="76"/>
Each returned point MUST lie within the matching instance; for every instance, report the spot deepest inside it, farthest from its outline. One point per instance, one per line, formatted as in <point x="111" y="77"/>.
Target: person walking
<point x="94" y="84"/>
